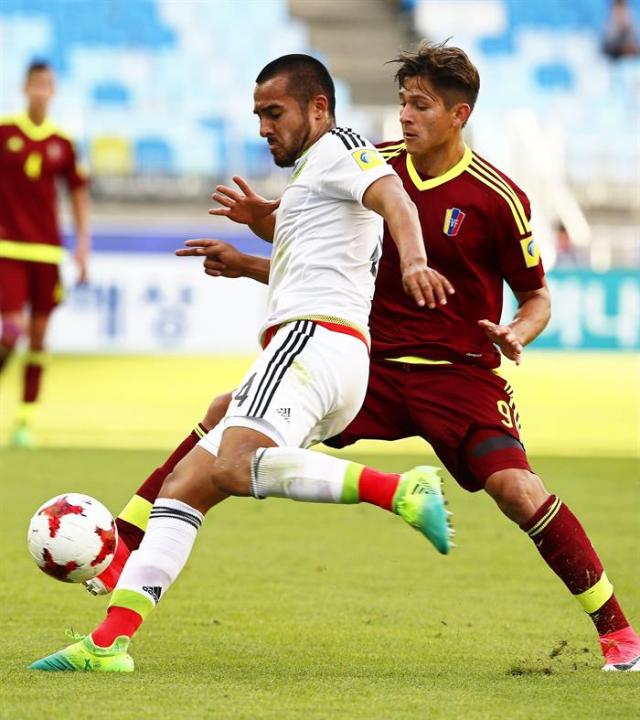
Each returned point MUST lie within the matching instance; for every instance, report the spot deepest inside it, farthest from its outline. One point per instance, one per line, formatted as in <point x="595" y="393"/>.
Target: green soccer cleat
<point x="23" y="437"/>
<point x="84" y="656"/>
<point x="419" y="501"/>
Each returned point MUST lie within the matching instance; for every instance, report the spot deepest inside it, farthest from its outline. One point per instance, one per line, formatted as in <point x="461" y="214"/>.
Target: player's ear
<point x="320" y="106"/>
<point x="460" y="114"/>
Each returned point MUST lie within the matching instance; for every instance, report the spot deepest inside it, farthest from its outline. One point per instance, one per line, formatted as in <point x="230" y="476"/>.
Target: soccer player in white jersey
<point x="310" y="380"/>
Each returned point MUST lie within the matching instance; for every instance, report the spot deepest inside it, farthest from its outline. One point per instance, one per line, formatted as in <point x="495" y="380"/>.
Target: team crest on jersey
<point x="531" y="252"/>
<point x="452" y="221"/>
<point x="54" y="150"/>
<point x="367" y="158"/>
<point x="15" y="143"/>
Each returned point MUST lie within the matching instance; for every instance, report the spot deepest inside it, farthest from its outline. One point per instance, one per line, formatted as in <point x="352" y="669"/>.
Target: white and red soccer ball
<point x="72" y="537"/>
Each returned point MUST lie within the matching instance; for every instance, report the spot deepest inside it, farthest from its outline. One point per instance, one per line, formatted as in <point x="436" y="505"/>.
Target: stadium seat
<point x="153" y="157"/>
<point x="111" y="156"/>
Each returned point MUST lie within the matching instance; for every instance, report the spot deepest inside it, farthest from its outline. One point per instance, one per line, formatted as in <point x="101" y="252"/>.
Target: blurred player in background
<point x="34" y="154"/>
<point x="434" y="374"/>
<point x="310" y="379"/>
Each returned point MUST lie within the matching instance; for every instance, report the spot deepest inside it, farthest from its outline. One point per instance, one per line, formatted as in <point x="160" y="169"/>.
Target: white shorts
<point x="307" y="385"/>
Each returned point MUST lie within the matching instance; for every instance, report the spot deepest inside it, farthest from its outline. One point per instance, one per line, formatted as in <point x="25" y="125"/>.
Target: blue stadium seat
<point x="153" y="156"/>
<point x="554" y="76"/>
<point x="111" y="93"/>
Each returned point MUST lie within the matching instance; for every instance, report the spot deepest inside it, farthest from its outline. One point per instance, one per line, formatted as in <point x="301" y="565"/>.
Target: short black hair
<point x="307" y="77"/>
<point x="37" y="66"/>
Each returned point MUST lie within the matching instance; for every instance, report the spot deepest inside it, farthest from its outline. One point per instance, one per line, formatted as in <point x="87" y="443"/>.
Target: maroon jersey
<point x="475" y="223"/>
<point x="32" y="158"/>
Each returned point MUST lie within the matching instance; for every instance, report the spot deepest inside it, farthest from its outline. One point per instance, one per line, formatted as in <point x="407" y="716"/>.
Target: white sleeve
<point x="352" y="171"/>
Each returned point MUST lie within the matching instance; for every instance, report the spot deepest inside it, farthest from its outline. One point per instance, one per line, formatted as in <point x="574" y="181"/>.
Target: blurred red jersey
<point x="32" y="158"/>
<point x="475" y="223"/>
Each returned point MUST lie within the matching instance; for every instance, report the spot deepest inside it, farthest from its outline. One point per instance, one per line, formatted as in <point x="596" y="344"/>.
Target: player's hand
<point x="246" y="207"/>
<point x="504" y="337"/>
<point x="426" y="285"/>
<point x="220" y="258"/>
<point x="81" y="258"/>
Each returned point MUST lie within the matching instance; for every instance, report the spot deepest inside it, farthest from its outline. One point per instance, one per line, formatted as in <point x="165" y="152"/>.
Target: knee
<point x="517" y="492"/>
<point x="11" y="332"/>
<point x="216" y="410"/>
<point x="229" y="478"/>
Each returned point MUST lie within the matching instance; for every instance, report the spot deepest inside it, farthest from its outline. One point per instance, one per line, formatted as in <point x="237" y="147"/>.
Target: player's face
<point x="426" y="122"/>
<point x="282" y="121"/>
<point x="39" y="88"/>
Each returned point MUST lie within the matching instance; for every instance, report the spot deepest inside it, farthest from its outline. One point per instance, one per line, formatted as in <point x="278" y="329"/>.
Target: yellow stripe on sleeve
<point x="472" y="170"/>
<point x="482" y="166"/>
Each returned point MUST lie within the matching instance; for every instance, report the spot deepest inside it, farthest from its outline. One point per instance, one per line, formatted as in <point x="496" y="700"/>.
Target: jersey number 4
<point x="243" y="393"/>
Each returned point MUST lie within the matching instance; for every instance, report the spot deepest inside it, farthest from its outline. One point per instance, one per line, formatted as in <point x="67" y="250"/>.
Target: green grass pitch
<point x="289" y="610"/>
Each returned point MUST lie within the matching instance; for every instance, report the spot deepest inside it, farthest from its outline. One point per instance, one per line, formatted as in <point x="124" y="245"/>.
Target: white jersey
<point x="326" y="244"/>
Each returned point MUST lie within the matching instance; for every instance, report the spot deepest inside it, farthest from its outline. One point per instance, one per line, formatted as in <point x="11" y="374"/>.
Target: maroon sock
<point x="132" y="534"/>
<point x="32" y="380"/>
<point x="377" y="488"/>
<point x="566" y="549"/>
<point x="119" y="621"/>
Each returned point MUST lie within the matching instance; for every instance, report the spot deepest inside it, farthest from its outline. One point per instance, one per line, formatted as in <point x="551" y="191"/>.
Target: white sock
<point x="303" y="475"/>
<point x="163" y="552"/>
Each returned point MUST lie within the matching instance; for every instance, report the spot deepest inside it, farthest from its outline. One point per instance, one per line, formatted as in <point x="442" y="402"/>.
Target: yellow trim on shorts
<point x="137" y="512"/>
<point x="32" y="252"/>
<point x="414" y="360"/>
<point x="596" y="596"/>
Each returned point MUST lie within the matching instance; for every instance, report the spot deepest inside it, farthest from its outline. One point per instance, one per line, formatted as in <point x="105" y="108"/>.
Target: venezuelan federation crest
<point x="452" y="221"/>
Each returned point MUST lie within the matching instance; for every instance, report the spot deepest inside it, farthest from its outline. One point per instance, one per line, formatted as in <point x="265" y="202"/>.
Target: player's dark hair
<point x="307" y="77"/>
<point x="37" y="66"/>
<point x="447" y="68"/>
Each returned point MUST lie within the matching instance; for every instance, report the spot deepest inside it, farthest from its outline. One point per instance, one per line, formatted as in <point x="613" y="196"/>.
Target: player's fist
<point x="505" y="338"/>
<point x="220" y="258"/>
<point x="246" y="207"/>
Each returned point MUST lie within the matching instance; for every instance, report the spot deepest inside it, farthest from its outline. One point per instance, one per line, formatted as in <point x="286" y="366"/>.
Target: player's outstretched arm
<point x="223" y="260"/>
<point x="388" y="198"/>
<point x="247" y="208"/>
<point x="531" y="318"/>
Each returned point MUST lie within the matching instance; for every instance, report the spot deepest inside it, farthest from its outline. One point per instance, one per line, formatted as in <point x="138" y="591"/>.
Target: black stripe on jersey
<point x="349" y="137"/>
<point x="339" y="133"/>
<point x="303" y="339"/>
<point x="357" y="139"/>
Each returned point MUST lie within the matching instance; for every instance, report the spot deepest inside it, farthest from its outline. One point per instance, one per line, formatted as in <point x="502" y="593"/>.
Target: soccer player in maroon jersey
<point x="433" y="372"/>
<point x="34" y="154"/>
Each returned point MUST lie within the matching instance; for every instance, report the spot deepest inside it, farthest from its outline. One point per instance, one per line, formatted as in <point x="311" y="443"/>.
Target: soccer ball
<point x="72" y="537"/>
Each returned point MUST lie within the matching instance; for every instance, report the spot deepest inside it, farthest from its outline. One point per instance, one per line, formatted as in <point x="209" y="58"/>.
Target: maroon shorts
<point x="467" y="414"/>
<point x="25" y="283"/>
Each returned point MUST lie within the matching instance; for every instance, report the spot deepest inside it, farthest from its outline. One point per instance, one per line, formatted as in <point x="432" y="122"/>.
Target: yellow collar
<point x="456" y="170"/>
<point x="33" y="131"/>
